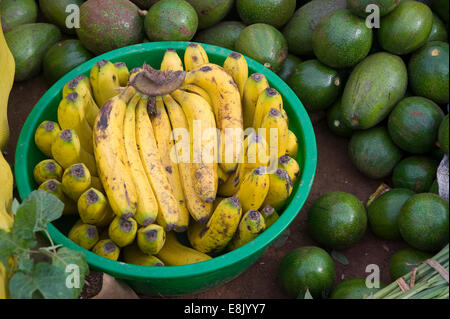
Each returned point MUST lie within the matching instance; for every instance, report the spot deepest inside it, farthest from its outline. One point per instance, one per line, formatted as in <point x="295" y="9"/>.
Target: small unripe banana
<point x="253" y="87"/>
<point x="291" y="166"/>
<point x="270" y="215"/>
<point x="267" y="99"/>
<point x="279" y="190"/>
<point x="236" y="65"/>
<point x="292" y="145"/>
<point x="76" y="180"/>
<point x="133" y="255"/>
<point x="194" y="56"/>
<point x="94" y="208"/>
<point x="122" y="230"/>
<point x="84" y="235"/>
<point x="54" y="187"/>
<point x="106" y="248"/>
<point x="47" y="169"/>
<point x="44" y="136"/>
<point x="171" y="61"/>
<point x="150" y="239"/>
<point x="251" y="225"/>
<point x="124" y="73"/>
<point x="253" y="189"/>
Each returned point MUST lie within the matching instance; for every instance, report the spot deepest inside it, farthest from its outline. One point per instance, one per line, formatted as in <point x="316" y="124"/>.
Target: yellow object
<point x="276" y="131"/>
<point x="124" y="73"/>
<point x="133" y="255"/>
<point x="195" y="56"/>
<point x="111" y="157"/>
<point x="198" y="209"/>
<point x="174" y="253"/>
<point x="76" y="180"/>
<point x="292" y="145"/>
<point x="163" y="135"/>
<point x="150" y="239"/>
<point x="214" y="237"/>
<point x="106" y="248"/>
<point x="270" y="215"/>
<point x="236" y="65"/>
<point x="104" y="78"/>
<point x="44" y="136"/>
<point x="222" y="176"/>
<point x="169" y="208"/>
<point x="171" y="61"/>
<point x="253" y="87"/>
<point x="192" y="88"/>
<point x="147" y="206"/>
<point x="291" y="166"/>
<point x="268" y="99"/>
<point x="47" y="169"/>
<point x="81" y="85"/>
<point x="202" y="128"/>
<point x="54" y="187"/>
<point x="251" y="225"/>
<point x="94" y="208"/>
<point x="84" y="235"/>
<point x="253" y="189"/>
<point x="279" y="190"/>
<point x="122" y="230"/>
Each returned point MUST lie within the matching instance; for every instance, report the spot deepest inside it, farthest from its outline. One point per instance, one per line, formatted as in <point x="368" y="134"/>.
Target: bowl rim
<point x="141" y="273"/>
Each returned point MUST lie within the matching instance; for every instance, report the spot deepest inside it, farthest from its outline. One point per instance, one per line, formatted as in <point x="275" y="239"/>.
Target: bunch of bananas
<point x="156" y="158"/>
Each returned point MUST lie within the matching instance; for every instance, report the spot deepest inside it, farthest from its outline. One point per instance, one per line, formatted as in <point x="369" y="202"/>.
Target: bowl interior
<point x="27" y="156"/>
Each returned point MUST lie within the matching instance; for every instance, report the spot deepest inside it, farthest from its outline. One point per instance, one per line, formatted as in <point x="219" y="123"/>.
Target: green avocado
<point x="405" y="260"/>
<point x="424" y="222"/>
<point x="28" y="44"/>
<point x="16" y="12"/>
<point x="414" y="124"/>
<point x="316" y="85"/>
<point x="341" y="39"/>
<point x="406" y="28"/>
<point x="288" y="67"/>
<point x="373" y="152"/>
<point x="416" y="173"/>
<point x="263" y="43"/>
<point x="359" y="7"/>
<point x="443" y="135"/>
<point x="224" y="34"/>
<point x="429" y="73"/>
<point x="299" y="30"/>
<point x="273" y="12"/>
<point x="337" y="220"/>
<point x="62" y="58"/>
<point x="55" y="12"/>
<point x="304" y="269"/>
<point x="355" y="288"/>
<point x="438" y="30"/>
<point x="383" y="213"/>
<point x="335" y="122"/>
<point x="171" y="20"/>
<point x="374" y="87"/>
<point x="211" y="12"/>
<point x="106" y="25"/>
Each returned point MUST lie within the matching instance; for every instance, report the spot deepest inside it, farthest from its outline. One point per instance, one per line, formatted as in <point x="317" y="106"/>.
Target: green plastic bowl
<point x="171" y="280"/>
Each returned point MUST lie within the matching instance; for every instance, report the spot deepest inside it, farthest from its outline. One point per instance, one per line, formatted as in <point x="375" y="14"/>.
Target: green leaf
<point x="15" y="206"/>
<point x="45" y="279"/>
<point x="339" y="257"/>
<point x="24" y="262"/>
<point x="8" y="246"/>
<point x="65" y="256"/>
<point x="48" y="208"/>
<point x="25" y="220"/>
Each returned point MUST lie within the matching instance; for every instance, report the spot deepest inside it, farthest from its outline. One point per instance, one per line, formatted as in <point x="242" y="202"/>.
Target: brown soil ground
<point x="334" y="173"/>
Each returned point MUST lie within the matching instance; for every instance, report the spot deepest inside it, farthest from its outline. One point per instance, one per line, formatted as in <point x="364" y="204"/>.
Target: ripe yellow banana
<point x="171" y="61"/>
<point x="195" y="56"/>
<point x="291" y="166"/>
<point x="276" y="133"/>
<point x="147" y="206"/>
<point x="94" y="208"/>
<point x="253" y="189"/>
<point x="110" y="154"/>
<point x="104" y="78"/>
<point x="54" y="187"/>
<point x="280" y="188"/>
<point x="197" y="208"/>
<point x="82" y="86"/>
<point x="44" y="136"/>
<point x="253" y="87"/>
<point x="292" y="145"/>
<point x="202" y="128"/>
<point x="67" y="150"/>
<point x="162" y="130"/>
<point x="150" y="239"/>
<point x="123" y="72"/>
<point x="47" y="169"/>
<point x="267" y="99"/>
<point x="84" y="235"/>
<point x="213" y="237"/>
<point x="174" y="253"/>
<point x="236" y="65"/>
<point x="122" y="230"/>
<point x="169" y="208"/>
<point x="251" y="225"/>
<point x="76" y="180"/>
<point x="270" y="215"/>
<point x="192" y="88"/>
<point x="106" y="248"/>
<point x="227" y="108"/>
<point x="133" y="255"/>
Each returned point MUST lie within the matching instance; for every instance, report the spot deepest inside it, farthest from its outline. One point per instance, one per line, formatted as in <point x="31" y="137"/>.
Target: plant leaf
<point x="339" y="257"/>
<point x="23" y="228"/>
<point x="48" y="208"/>
<point x="24" y="262"/>
<point x="15" y="206"/>
<point x="65" y="256"/>
<point x="8" y="246"/>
